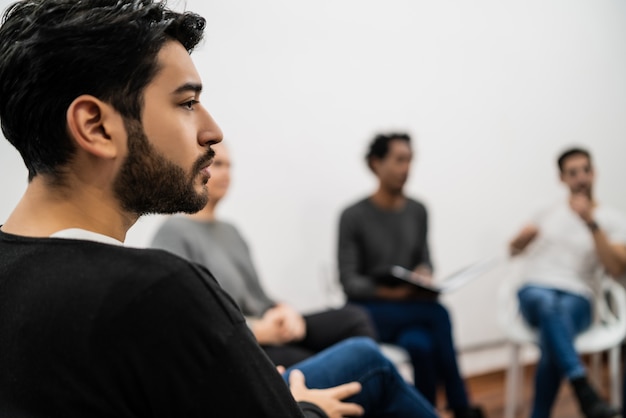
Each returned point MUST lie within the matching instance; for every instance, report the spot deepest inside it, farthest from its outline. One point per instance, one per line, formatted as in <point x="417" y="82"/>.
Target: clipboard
<point x="449" y="283"/>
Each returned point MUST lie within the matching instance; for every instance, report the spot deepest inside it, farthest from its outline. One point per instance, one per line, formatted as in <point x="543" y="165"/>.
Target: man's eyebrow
<point x="195" y="87"/>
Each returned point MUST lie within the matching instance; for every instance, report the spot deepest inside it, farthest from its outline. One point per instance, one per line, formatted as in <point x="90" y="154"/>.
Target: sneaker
<point x="591" y="405"/>
<point x="469" y="412"/>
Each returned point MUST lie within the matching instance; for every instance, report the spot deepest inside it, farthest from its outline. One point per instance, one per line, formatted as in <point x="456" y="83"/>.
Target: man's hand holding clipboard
<point x="425" y="282"/>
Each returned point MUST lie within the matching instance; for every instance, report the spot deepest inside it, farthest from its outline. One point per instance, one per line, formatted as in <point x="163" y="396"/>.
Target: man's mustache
<point x="202" y="161"/>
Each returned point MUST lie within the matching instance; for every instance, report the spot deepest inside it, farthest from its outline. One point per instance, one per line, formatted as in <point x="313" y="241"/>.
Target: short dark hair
<point x="569" y="153"/>
<point x="379" y="147"/>
<point x="52" y="51"/>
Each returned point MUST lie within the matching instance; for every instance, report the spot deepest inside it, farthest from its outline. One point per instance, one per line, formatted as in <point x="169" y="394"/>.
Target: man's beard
<point x="150" y="183"/>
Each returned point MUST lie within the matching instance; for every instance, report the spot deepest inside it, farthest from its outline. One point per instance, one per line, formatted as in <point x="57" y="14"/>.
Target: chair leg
<point x="614" y="376"/>
<point x="513" y="382"/>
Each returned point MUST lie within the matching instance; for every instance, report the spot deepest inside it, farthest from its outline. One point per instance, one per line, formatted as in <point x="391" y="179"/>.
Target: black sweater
<point x="96" y="330"/>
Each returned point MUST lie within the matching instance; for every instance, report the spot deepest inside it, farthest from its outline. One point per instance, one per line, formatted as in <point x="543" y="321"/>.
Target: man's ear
<point x="95" y="126"/>
<point x="373" y="164"/>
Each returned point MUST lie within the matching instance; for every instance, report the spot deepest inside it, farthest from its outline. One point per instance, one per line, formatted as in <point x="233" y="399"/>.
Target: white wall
<point x="491" y="91"/>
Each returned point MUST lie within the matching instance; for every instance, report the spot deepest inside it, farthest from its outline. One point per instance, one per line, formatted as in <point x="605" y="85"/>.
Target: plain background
<point x="490" y="90"/>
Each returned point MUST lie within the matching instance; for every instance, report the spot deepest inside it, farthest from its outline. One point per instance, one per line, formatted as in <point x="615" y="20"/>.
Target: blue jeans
<point x="384" y="392"/>
<point x="424" y="330"/>
<point x="558" y="316"/>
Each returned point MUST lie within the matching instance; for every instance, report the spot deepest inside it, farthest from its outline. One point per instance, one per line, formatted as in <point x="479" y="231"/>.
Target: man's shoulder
<point x="157" y="259"/>
<point x="416" y="205"/>
<point x="163" y="278"/>
<point x="549" y="211"/>
<point x="151" y="267"/>
<point x="82" y="258"/>
<point x="612" y="212"/>
<point x="612" y="218"/>
<point x="147" y="257"/>
<point x="365" y="206"/>
<point x="357" y="206"/>
<point x="112" y="274"/>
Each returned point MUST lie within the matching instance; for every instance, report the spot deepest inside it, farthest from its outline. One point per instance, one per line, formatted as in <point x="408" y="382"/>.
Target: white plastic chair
<point x="606" y="333"/>
<point x="400" y="358"/>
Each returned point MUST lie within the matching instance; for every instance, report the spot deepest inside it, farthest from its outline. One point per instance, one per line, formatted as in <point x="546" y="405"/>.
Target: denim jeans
<point x="384" y="392"/>
<point x="558" y="316"/>
<point x="424" y="330"/>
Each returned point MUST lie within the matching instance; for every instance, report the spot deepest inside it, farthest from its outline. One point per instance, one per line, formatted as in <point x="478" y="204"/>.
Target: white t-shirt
<point x="83" y="234"/>
<point x="563" y="255"/>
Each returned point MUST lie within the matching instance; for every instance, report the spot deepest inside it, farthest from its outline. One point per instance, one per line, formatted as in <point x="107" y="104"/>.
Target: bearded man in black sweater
<point x="102" y="101"/>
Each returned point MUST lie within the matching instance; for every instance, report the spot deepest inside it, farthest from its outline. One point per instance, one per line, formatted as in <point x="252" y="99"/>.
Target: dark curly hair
<point x="379" y="147"/>
<point x="52" y="51"/>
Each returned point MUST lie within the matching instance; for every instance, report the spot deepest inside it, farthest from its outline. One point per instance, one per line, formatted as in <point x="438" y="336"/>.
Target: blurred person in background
<point x="568" y="247"/>
<point x="389" y="228"/>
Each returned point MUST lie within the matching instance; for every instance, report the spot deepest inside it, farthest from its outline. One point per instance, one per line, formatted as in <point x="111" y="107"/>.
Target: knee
<point x="417" y="341"/>
<point x="441" y="315"/>
<point x="361" y="344"/>
<point x="365" y="350"/>
<point x="537" y="299"/>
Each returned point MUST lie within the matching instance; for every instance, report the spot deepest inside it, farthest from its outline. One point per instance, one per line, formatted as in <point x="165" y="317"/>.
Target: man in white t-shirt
<point x="575" y="242"/>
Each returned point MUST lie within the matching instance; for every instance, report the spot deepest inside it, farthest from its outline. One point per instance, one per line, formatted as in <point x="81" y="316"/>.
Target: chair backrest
<point x="607" y="330"/>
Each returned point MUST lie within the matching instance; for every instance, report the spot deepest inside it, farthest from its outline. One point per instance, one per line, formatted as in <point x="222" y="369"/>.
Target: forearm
<point x="515" y="248"/>
<point x="612" y="257"/>
<point x="523" y="239"/>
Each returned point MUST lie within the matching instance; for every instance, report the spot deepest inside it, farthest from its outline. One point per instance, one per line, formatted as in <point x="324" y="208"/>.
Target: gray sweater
<point x="371" y="240"/>
<point x="218" y="246"/>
